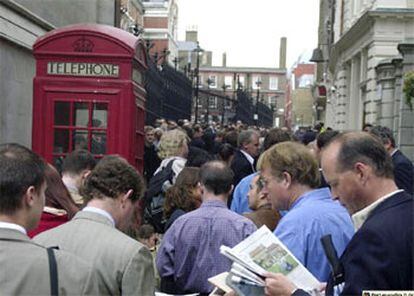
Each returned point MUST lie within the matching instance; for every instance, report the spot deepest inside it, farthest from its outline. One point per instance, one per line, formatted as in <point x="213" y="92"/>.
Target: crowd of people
<point x="98" y="227"/>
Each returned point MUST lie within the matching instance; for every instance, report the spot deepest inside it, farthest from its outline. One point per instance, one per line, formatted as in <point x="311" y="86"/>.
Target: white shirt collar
<point x="100" y="212"/>
<point x="393" y="152"/>
<point x="361" y="216"/>
<point x="248" y="156"/>
<point x="13" y="226"/>
<point x="70" y="185"/>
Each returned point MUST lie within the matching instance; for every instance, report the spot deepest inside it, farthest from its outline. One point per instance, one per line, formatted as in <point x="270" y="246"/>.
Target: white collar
<point x="393" y="152"/>
<point x="361" y="216"/>
<point x="248" y="156"/>
<point x="13" y="226"/>
<point x="70" y="184"/>
<point x="100" y="212"/>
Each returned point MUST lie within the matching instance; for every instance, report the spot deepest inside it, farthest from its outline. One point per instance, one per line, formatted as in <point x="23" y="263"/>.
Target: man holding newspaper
<point x="380" y="254"/>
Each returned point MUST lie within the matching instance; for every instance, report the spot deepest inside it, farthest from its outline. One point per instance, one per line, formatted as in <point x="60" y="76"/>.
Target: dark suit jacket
<point x="241" y="167"/>
<point x="380" y="255"/>
<point x="403" y="172"/>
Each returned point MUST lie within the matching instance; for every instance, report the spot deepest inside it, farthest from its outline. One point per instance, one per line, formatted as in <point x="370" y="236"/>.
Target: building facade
<point x="356" y="37"/>
<point x="19" y="29"/>
<point x="160" y="24"/>
<point x="304" y="112"/>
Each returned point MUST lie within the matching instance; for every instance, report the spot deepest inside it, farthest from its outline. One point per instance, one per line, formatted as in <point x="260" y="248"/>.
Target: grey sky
<point x="250" y="31"/>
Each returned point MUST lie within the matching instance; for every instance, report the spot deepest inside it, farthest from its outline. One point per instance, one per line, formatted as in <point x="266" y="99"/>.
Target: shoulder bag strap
<point x="54" y="286"/>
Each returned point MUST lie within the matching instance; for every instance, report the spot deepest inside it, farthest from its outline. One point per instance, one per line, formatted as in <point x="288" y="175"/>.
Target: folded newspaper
<point x="263" y="252"/>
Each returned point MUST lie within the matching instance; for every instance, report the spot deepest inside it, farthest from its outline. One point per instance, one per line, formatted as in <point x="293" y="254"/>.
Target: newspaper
<point x="263" y="252"/>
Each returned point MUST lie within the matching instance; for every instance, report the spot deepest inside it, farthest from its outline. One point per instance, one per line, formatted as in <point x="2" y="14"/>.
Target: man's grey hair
<point x="245" y="137"/>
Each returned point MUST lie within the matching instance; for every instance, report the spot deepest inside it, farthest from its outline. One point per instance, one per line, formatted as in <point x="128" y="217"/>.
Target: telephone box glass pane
<point x="80" y="140"/>
<point x="61" y="141"/>
<point x="100" y="115"/>
<point x="98" y="143"/>
<point x="81" y="114"/>
<point x="62" y="113"/>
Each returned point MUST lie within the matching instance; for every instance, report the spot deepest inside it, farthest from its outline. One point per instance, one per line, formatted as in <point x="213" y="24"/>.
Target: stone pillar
<point x="386" y="82"/>
<point x="397" y="62"/>
<point x="342" y="98"/>
<point x="405" y="137"/>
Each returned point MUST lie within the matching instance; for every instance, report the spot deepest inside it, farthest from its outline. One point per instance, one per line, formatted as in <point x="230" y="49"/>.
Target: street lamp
<point x="224" y="87"/>
<point x="198" y="50"/>
<point x="256" y="115"/>
<point x="209" y="82"/>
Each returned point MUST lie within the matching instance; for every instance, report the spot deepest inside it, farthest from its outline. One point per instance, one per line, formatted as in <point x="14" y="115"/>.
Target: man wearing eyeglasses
<point x="290" y="175"/>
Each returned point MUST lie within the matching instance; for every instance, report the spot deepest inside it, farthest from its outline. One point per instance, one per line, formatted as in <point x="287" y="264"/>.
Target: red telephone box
<point x="89" y="93"/>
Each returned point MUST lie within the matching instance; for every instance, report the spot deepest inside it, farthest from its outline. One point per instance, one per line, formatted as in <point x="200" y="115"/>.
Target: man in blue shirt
<point x="290" y="175"/>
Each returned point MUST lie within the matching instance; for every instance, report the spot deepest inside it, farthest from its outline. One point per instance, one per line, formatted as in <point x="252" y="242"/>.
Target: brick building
<point x="160" y="23"/>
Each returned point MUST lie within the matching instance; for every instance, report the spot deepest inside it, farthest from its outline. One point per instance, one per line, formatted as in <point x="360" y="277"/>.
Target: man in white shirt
<point x="111" y="192"/>
<point x="25" y="265"/>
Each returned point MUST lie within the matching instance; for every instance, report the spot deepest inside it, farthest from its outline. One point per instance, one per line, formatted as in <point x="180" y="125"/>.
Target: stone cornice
<point x="243" y="70"/>
<point x="19" y="9"/>
<point x="362" y="26"/>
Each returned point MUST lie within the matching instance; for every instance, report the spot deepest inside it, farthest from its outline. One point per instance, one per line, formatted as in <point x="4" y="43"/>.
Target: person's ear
<point x="286" y="179"/>
<point x="125" y="197"/>
<point x="362" y="171"/>
<point x="85" y="174"/>
<point x="29" y="196"/>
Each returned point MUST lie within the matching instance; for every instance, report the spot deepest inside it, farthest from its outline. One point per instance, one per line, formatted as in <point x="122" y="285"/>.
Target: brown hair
<point x="111" y="177"/>
<point x="57" y="195"/>
<point x="182" y="194"/>
<point x="293" y="158"/>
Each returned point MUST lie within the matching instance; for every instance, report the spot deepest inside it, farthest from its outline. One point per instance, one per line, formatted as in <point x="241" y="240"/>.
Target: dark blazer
<point x="403" y="172"/>
<point x="380" y="255"/>
<point x="241" y="167"/>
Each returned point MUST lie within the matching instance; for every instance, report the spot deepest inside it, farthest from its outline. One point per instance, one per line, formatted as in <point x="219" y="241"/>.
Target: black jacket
<point x="403" y="172"/>
<point x="380" y="254"/>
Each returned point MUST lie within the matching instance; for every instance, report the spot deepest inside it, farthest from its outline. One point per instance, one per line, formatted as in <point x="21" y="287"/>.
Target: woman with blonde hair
<point x="173" y="147"/>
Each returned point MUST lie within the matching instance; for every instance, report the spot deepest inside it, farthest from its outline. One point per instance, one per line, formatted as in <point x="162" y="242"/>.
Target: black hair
<point x="383" y="133"/>
<point x="78" y="161"/>
<point x="20" y="168"/>
<point x="325" y="137"/>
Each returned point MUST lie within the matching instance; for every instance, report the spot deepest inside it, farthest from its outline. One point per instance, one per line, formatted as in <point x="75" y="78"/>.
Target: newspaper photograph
<point x="263" y="252"/>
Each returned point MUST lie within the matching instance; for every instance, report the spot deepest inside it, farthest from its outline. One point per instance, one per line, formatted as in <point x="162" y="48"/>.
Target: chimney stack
<point x="224" y="60"/>
<point x="282" y="53"/>
<point x="191" y="35"/>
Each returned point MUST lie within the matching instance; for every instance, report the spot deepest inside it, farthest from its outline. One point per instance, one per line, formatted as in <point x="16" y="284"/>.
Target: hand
<point x="278" y="284"/>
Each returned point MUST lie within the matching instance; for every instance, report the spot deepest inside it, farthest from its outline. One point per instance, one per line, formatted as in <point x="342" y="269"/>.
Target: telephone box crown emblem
<point x="83" y="45"/>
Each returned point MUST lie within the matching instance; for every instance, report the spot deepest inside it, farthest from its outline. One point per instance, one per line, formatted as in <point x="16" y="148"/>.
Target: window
<point x="228" y="81"/>
<point x="212" y="102"/>
<point x="272" y="101"/>
<point x="79" y="125"/>
<point x="213" y="81"/>
<point x="273" y="82"/>
<point x="255" y="81"/>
